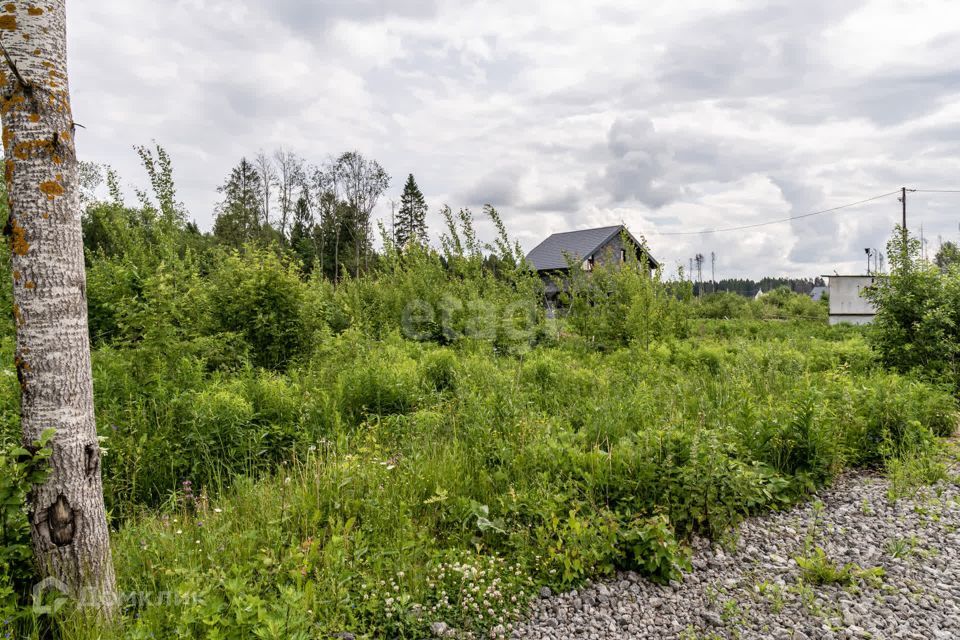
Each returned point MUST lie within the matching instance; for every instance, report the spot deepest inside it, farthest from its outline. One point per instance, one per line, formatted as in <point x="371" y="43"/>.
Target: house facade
<point x="589" y="247"/>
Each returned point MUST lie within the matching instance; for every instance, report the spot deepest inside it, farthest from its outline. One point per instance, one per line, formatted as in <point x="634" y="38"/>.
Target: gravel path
<point x="756" y="590"/>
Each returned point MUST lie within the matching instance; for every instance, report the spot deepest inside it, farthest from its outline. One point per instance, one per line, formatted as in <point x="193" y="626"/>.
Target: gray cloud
<point x="639" y="164"/>
<point x="691" y="118"/>
<point x="499" y="188"/>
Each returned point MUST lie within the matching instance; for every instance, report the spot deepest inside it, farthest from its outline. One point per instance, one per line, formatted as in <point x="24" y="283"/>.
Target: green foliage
<point x="778" y="304"/>
<point x="948" y="255"/>
<point x="291" y="456"/>
<point x="240" y="217"/>
<point x="618" y="303"/>
<point x="818" y="568"/>
<point x="256" y="295"/>
<point x="917" y="326"/>
<point x="21" y="468"/>
<point x="450" y="298"/>
<point x="411" y="225"/>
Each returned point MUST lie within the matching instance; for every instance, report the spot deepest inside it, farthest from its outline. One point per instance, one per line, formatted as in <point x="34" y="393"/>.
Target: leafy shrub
<point x="440" y="369"/>
<point x="256" y="295"/>
<point x="917" y="326"/>
<point x="384" y="381"/>
<point x="778" y="304"/>
<point x="725" y="305"/>
<point x="451" y="297"/>
<point x="615" y="303"/>
<point x="20" y="470"/>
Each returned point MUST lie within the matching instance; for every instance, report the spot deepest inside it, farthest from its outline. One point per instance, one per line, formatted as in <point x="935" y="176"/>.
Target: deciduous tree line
<point x="321" y="212"/>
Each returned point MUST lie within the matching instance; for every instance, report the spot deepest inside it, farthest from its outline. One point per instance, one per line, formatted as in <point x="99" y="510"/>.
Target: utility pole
<point x="713" y="272"/>
<point x="699" y="260"/>
<point x="903" y="200"/>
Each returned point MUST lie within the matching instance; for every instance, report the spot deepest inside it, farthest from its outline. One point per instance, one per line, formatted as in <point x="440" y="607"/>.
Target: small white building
<point x="847" y="303"/>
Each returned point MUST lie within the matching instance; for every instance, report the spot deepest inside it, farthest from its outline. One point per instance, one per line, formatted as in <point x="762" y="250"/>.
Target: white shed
<point x="847" y="303"/>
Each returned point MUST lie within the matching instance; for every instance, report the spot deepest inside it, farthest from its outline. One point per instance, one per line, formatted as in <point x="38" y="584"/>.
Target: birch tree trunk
<point x="68" y="521"/>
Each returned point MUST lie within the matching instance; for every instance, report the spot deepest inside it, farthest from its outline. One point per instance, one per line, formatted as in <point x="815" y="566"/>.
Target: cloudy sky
<point x="670" y="117"/>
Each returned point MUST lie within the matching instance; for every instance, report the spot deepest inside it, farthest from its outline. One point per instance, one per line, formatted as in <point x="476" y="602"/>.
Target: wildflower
<point x="217" y="510"/>
<point x="179" y="531"/>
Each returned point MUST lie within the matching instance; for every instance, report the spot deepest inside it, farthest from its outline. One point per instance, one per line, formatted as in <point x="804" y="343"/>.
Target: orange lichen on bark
<point x="29" y="285"/>
<point x="17" y="316"/>
<point x="8" y="172"/>
<point x="16" y="276"/>
<point x="57" y="159"/>
<point x="35" y="11"/>
<point x="24" y="150"/>
<point x="10" y="103"/>
<point x="10" y="7"/>
<point x="34" y="117"/>
<point x="8" y="23"/>
<point x="18" y="238"/>
<point x="51" y="189"/>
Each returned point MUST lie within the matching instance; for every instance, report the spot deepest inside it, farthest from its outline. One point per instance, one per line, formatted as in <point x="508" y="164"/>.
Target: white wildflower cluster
<point x="480" y="594"/>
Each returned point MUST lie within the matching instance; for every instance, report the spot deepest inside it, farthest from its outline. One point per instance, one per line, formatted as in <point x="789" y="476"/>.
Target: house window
<point x="623" y="255"/>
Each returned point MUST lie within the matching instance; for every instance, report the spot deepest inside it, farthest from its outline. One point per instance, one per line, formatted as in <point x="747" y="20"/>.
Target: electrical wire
<point x="936" y="190"/>
<point x="781" y="220"/>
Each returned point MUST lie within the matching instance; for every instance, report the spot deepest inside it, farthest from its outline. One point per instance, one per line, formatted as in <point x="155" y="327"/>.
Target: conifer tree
<point x="239" y="215"/>
<point x="411" y="223"/>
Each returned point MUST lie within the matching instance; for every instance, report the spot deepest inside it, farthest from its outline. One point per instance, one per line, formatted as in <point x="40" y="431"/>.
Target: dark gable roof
<point x="550" y="255"/>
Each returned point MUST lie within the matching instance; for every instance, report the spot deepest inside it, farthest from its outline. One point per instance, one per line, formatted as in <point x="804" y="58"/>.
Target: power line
<point x="937" y="190"/>
<point x="781" y="220"/>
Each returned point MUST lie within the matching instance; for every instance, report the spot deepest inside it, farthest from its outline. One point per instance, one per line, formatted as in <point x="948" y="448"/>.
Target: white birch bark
<point x="68" y="522"/>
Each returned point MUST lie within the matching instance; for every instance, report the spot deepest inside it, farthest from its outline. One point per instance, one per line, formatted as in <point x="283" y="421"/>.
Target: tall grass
<point x="402" y="470"/>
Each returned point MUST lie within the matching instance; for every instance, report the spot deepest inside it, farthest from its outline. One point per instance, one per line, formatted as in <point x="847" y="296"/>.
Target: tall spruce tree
<point x="239" y="215"/>
<point x="302" y="234"/>
<point x="411" y="223"/>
